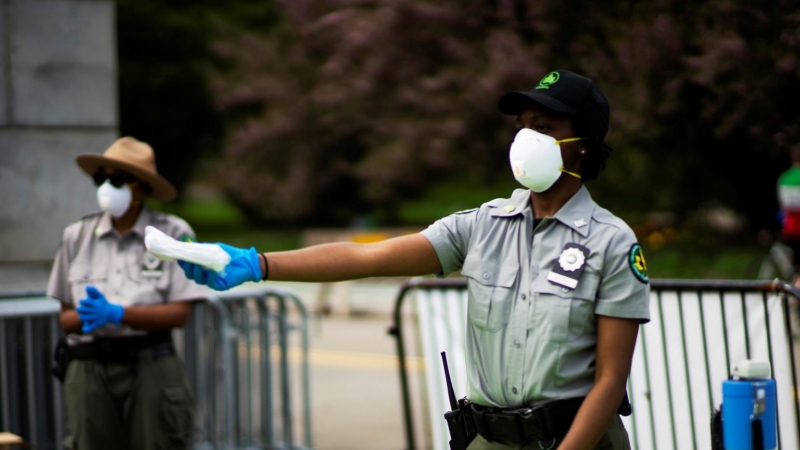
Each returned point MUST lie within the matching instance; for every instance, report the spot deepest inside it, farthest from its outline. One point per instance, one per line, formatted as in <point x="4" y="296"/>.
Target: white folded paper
<point x="211" y="256"/>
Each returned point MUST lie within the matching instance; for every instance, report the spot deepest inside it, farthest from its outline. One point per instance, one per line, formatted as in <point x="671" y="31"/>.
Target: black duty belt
<point x="123" y="350"/>
<point x="519" y="425"/>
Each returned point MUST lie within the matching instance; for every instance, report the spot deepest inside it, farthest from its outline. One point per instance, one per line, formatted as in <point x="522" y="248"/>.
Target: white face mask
<point x="536" y="159"/>
<point x="113" y="200"/>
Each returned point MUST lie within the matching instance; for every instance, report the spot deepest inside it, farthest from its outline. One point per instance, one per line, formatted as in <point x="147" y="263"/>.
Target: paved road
<point x="355" y="385"/>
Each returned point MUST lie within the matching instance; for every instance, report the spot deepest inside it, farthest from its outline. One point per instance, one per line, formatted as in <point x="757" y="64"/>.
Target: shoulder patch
<point x="186" y="237"/>
<point x="637" y="263"/>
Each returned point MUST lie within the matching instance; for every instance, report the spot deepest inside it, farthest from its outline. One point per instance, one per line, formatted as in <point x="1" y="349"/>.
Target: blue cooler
<point x="748" y="405"/>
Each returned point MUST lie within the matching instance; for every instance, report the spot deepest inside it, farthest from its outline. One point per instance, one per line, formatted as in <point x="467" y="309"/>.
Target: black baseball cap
<point x="563" y="92"/>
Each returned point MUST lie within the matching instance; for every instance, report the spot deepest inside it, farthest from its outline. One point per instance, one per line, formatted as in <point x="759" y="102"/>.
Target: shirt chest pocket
<point x="491" y="292"/>
<point x="565" y="315"/>
<point x="147" y="286"/>
<point x="82" y="274"/>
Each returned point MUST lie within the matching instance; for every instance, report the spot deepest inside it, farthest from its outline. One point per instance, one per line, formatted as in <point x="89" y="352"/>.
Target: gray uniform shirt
<point x="529" y="340"/>
<point x="93" y="253"/>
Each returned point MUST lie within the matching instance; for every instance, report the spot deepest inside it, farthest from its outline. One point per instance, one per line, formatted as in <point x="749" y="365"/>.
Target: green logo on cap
<point x="550" y="78"/>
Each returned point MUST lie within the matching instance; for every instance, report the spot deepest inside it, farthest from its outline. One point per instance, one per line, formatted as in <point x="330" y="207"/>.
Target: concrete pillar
<point x="58" y="98"/>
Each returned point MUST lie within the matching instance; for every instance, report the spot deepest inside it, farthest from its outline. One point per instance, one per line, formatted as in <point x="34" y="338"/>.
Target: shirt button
<point x="514" y="390"/>
<point x="516" y="343"/>
<point x="485" y="276"/>
<point x="524" y="296"/>
<point x="564" y="289"/>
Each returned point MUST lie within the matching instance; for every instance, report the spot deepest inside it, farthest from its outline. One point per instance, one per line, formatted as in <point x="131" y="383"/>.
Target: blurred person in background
<point x="125" y="388"/>
<point x="558" y="286"/>
<point x="789" y="248"/>
<point x="789" y="201"/>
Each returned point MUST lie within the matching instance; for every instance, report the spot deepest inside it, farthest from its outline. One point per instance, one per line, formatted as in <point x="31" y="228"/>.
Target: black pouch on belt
<point x="60" y="359"/>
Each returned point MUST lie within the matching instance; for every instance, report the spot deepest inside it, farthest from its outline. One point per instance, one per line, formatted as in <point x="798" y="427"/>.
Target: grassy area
<point x="728" y="262"/>
<point x="451" y="196"/>
<point x="263" y="240"/>
<point x="203" y="214"/>
<point x="220" y="221"/>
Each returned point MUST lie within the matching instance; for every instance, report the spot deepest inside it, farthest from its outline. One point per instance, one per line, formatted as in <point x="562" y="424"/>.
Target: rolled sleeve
<point x="450" y="238"/>
<point x="58" y="286"/>
<point x="621" y="293"/>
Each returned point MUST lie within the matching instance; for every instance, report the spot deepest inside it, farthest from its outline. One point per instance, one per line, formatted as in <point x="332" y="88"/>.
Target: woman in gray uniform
<point x="125" y="388"/>
<point x="557" y="285"/>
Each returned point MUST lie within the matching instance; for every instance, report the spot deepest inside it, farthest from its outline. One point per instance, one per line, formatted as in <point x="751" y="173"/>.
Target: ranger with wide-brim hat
<point x="119" y="304"/>
<point x="134" y="157"/>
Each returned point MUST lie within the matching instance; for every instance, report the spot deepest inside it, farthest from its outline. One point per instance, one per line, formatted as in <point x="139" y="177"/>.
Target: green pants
<point x="615" y="438"/>
<point x="144" y="406"/>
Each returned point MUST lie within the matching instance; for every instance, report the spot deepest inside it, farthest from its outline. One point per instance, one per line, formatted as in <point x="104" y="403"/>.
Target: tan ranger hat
<point x="134" y="157"/>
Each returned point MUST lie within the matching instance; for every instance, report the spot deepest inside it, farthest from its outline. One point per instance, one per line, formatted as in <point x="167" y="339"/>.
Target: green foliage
<point x="449" y="196"/>
<point x="203" y="214"/>
<point x="730" y="262"/>
<point x="352" y="109"/>
<point x="220" y="221"/>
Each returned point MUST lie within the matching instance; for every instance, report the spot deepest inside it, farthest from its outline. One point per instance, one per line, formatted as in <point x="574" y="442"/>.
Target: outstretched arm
<point x="403" y="256"/>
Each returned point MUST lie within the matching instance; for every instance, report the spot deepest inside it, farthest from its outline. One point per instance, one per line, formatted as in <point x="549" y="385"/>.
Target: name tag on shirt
<point x="152" y="273"/>
<point x="567" y="270"/>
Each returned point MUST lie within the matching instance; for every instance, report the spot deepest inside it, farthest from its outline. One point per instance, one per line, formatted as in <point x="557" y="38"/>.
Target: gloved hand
<point x="95" y="311"/>
<point x="243" y="267"/>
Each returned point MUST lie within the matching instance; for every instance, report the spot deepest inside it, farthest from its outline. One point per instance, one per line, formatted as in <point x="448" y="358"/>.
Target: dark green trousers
<point x="144" y="406"/>
<point x="615" y="438"/>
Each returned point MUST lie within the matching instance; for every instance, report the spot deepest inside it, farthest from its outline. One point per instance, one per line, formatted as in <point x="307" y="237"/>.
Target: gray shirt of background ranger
<point x="125" y="387"/>
<point x="557" y="285"/>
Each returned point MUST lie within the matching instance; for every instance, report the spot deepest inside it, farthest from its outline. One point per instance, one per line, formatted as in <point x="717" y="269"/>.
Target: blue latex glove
<point x="95" y="311"/>
<point x="243" y="267"/>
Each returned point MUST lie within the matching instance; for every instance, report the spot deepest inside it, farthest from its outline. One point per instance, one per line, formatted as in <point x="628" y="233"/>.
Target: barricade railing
<point x="235" y="346"/>
<point x="31" y="402"/>
<point x="698" y="329"/>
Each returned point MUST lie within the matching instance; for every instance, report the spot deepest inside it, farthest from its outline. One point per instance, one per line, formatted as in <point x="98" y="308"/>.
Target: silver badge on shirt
<point x="570" y="265"/>
<point x="151" y="266"/>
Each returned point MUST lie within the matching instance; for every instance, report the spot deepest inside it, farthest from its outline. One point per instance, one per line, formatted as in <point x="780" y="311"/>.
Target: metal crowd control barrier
<point x="31" y="403"/>
<point x="698" y="329"/>
<point x="238" y="360"/>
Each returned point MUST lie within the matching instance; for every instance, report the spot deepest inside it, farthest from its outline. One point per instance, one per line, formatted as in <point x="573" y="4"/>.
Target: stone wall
<point x="58" y="98"/>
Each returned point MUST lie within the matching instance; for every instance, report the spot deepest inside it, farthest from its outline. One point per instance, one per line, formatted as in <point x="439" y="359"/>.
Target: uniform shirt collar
<point x="519" y="201"/>
<point x="145" y="217"/>
<point x="106" y="227"/>
<point x="576" y="213"/>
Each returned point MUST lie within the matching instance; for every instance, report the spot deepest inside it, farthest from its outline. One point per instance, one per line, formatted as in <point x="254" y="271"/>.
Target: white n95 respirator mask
<point x="114" y="200"/>
<point x="536" y="159"/>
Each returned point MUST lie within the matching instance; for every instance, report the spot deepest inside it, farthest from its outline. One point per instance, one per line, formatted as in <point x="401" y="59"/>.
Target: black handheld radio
<point x="459" y="418"/>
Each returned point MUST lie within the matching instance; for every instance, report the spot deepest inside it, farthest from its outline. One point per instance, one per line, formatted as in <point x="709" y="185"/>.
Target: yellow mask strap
<point x="570" y="173"/>
<point x="570" y="140"/>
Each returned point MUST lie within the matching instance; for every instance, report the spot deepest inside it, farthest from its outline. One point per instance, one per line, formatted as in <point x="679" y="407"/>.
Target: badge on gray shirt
<point x="567" y="270"/>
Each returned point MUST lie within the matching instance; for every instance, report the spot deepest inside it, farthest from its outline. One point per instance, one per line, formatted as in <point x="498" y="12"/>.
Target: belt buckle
<point x="74" y="339"/>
